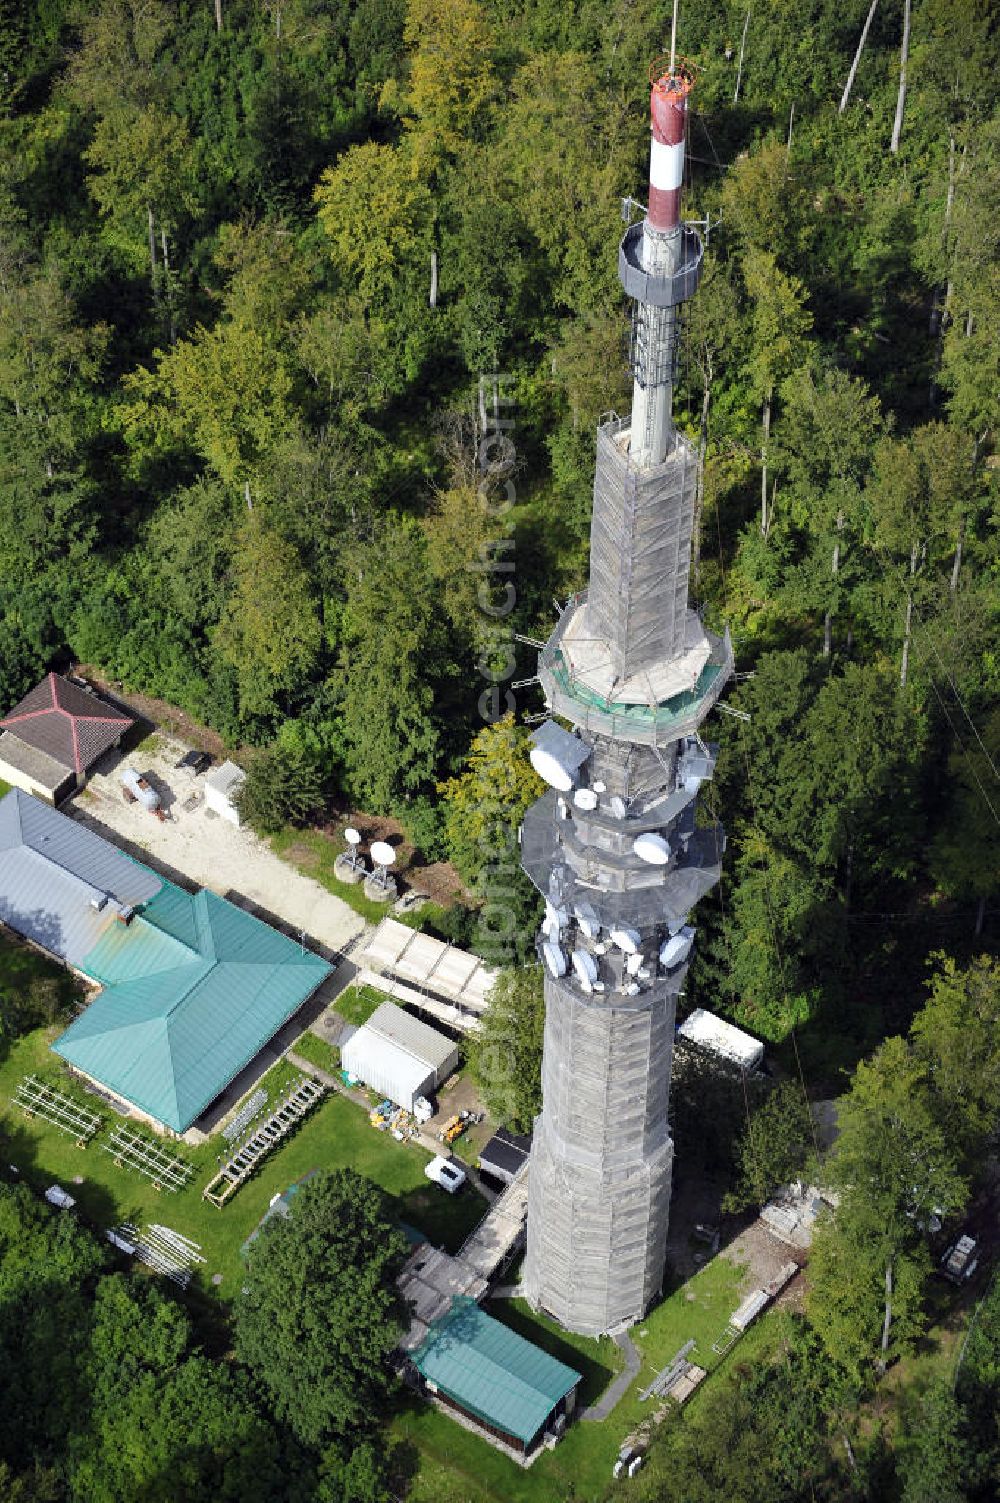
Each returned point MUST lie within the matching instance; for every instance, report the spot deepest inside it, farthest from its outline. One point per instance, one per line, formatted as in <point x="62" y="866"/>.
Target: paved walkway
<point x="616" y="1391"/>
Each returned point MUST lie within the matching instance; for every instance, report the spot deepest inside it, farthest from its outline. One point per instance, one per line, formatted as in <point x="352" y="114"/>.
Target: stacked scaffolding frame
<point x="164" y="1250"/>
<point x="238" y="1168"/>
<point x="131" y="1150"/>
<point x="36" y="1099"/>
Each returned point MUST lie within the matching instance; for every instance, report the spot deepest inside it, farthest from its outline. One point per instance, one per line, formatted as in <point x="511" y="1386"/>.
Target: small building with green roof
<point x="507" y="1385"/>
<point x="193" y="989"/>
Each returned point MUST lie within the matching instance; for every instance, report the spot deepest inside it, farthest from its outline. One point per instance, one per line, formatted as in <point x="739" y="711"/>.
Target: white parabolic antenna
<point x="383" y="853"/>
<point x="351" y="836"/>
<point x="677" y="948"/>
<point x="585" y="967"/>
<point x="652" y="848"/>
<point x="628" y="940"/>
<point x="587" y="918"/>
<point x="552" y="770"/>
<point x="554" y="959"/>
<point x="585" y="798"/>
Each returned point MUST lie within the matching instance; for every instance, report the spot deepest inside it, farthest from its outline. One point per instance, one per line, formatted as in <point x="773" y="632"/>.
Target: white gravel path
<point x="208" y="851"/>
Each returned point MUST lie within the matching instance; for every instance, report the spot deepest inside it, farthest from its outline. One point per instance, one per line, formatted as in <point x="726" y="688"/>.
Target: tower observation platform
<point x="613" y="845"/>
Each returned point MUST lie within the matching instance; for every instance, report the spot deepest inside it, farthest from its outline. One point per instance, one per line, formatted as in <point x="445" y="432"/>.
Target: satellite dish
<point x="586" y="917"/>
<point x="554" y="915"/>
<point x="652" y="849"/>
<point x="633" y="989"/>
<point x="599" y="787"/>
<point x="383" y="853"/>
<point x="628" y="940"/>
<point x="351" y="836"/>
<point x="555" y="960"/>
<point x="585" y="798"/>
<point x="585" y="967"/>
<point x="677" y="949"/>
<point x="618" y="806"/>
<point x="551" y="769"/>
<point x="634" y="965"/>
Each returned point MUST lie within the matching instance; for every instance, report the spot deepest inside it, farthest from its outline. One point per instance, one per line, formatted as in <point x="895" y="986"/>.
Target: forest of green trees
<point x="255" y="258"/>
<point x="256" y="255"/>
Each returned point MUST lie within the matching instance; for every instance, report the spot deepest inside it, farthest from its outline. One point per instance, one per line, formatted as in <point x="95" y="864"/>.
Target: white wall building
<point x="398" y="1056"/>
<point x="722" y="1039"/>
<point x="221" y="786"/>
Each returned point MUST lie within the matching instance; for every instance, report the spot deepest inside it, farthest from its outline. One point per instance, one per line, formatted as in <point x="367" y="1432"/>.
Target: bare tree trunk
<point x="980" y="915"/>
<point x="247" y="496"/>
<point x="765" y="520"/>
<point x="957" y="565"/>
<point x="152" y="246"/>
<point x="434" y="279"/>
<point x="905" y="665"/>
<point x="788" y="148"/>
<point x="699" y="492"/>
<point x="168" y="291"/>
<point x="834" y="571"/>
<point x="939" y="310"/>
<point x="849" y="85"/>
<point x="218" y="15"/>
<point x="739" y="68"/>
<point x="883" y="1360"/>
<point x="904" y="53"/>
<point x="908" y="628"/>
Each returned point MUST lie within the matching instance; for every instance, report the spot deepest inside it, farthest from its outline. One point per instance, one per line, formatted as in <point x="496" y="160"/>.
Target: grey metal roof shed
<point x="54" y="874"/>
<point x="399" y="1056"/>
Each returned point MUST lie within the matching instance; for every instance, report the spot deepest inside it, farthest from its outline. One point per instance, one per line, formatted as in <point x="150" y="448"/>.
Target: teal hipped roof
<point x="193" y="989"/>
<point x="492" y="1372"/>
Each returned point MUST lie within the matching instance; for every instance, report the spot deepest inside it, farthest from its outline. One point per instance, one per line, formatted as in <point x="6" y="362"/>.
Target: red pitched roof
<point x="66" y="723"/>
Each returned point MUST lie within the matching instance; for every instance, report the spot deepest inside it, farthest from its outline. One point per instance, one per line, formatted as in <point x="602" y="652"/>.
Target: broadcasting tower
<point x="613" y="845"/>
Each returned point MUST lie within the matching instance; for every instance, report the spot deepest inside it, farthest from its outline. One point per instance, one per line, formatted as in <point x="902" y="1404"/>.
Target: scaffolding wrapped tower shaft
<point x="613" y="845"/>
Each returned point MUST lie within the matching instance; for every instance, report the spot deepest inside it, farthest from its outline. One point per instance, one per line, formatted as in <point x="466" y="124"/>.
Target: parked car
<point x="443" y="1172"/>
<point x="961" y="1260"/>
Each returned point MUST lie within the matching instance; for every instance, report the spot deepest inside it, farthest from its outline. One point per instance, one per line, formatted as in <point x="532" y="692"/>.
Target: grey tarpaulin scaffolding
<point x="614" y="849"/>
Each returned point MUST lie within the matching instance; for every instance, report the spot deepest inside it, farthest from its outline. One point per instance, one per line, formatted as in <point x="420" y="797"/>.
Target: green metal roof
<point x="492" y="1371"/>
<point x="193" y="989"/>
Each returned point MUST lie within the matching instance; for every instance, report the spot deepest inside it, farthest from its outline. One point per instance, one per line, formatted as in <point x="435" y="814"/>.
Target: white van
<point x="446" y="1174"/>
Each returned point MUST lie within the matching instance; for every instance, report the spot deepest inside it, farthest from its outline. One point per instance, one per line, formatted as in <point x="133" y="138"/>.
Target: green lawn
<point x="336" y="1135"/>
<point x="4" y="787"/>
<point x="457" y="1467"/>
<point x="318" y="1052"/>
<point x="356" y="1004"/>
<point x="20" y="965"/>
<point x="314" y="854"/>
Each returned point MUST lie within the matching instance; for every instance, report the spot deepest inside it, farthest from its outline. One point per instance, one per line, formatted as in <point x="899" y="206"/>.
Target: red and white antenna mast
<point x="660" y="263"/>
